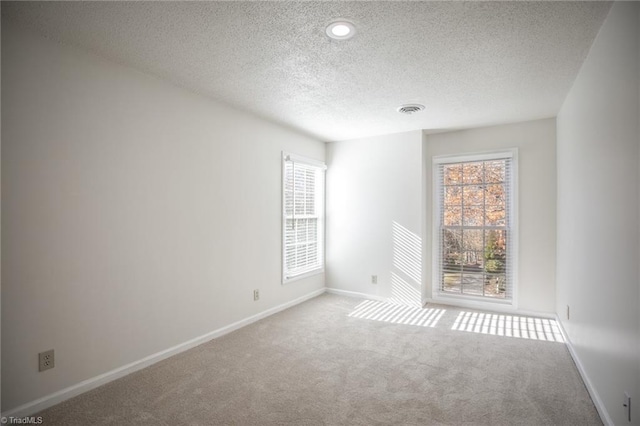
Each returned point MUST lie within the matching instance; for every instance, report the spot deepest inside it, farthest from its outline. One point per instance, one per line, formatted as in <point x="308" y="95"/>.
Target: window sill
<point x="472" y="302"/>
<point x="303" y="275"/>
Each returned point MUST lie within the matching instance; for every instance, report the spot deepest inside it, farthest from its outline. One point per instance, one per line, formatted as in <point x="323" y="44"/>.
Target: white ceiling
<point x="471" y="63"/>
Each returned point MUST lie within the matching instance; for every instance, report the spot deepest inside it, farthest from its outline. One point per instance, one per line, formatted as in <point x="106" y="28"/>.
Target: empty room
<point x="320" y="213"/>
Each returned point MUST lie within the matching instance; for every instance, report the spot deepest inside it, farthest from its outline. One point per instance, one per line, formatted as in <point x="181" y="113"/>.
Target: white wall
<point x="598" y="254"/>
<point x="535" y="141"/>
<point x="136" y="215"/>
<point x="374" y="196"/>
<point x="379" y="210"/>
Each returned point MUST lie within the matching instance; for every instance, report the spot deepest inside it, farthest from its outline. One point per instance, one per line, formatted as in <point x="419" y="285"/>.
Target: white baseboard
<point x="488" y="306"/>
<point x="602" y="411"/>
<point x="45" y="402"/>
<point x="455" y="303"/>
<point x="356" y="294"/>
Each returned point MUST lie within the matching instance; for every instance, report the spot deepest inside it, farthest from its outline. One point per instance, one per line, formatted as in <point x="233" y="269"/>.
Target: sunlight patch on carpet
<point x="395" y="313"/>
<point x="509" y="326"/>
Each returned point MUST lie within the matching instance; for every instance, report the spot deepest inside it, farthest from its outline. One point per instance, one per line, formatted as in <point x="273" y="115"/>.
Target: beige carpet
<point x="344" y="361"/>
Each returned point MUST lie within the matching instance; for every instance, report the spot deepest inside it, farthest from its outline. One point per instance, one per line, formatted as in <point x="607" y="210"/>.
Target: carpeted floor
<point x="344" y="361"/>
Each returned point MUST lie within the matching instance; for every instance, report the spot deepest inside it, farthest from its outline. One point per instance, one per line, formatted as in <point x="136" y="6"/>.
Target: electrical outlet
<point x="46" y="360"/>
<point x="627" y="406"/>
<point x="567" y="311"/>
<point x="256" y="295"/>
<point x="374" y="279"/>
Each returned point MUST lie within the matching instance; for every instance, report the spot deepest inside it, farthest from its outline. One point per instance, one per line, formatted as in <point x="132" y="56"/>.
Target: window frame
<point x="320" y="207"/>
<point x="479" y="301"/>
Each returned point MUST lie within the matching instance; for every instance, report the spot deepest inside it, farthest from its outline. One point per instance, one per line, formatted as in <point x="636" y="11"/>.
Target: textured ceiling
<point x="470" y="63"/>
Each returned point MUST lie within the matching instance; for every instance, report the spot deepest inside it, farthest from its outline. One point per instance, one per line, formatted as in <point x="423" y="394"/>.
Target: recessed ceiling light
<point x="341" y="30"/>
<point x="410" y="108"/>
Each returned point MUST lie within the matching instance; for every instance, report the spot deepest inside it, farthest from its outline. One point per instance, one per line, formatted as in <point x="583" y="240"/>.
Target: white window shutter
<point x="303" y="216"/>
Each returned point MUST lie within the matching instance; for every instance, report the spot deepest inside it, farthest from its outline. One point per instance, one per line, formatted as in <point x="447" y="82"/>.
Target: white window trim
<point x="286" y="156"/>
<point x="466" y="300"/>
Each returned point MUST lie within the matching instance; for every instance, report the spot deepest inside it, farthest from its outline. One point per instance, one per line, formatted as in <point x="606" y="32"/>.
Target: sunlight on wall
<point x="406" y="278"/>
<point x="508" y="326"/>
<point x="404" y="293"/>
<point x="395" y="313"/>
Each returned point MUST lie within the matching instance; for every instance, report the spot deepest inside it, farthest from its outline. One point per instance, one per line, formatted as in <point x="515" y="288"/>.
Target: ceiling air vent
<point x="410" y="108"/>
